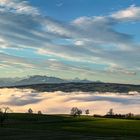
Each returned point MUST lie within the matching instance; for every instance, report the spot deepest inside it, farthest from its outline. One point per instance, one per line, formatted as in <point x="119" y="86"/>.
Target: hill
<point x="59" y="127"/>
<point x="84" y="87"/>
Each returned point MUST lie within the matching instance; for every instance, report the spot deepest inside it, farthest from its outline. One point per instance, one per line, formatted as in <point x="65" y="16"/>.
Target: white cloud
<point x="131" y="13"/>
<point x="16" y="6"/>
<point x="116" y="69"/>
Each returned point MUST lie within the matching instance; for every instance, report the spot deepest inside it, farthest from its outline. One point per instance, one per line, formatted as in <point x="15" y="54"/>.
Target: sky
<point x="89" y="39"/>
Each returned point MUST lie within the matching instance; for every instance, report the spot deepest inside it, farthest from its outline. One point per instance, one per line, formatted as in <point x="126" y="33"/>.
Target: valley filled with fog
<point x="20" y="100"/>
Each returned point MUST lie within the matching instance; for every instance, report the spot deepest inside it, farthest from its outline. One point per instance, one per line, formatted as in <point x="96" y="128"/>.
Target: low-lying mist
<point x="20" y="100"/>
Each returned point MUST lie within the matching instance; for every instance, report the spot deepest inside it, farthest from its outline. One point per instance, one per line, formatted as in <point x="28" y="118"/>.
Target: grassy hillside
<point x="51" y="127"/>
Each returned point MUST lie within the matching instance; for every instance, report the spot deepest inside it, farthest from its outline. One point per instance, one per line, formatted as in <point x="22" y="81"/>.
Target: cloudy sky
<point x="93" y="39"/>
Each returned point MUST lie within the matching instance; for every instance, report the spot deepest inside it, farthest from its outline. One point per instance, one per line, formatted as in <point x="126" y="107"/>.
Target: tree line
<point x="75" y="112"/>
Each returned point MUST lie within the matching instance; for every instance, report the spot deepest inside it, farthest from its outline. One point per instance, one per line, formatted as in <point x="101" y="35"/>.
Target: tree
<point x="4" y="114"/>
<point x="39" y="112"/>
<point x="87" y="111"/>
<point x="76" y="112"/>
<point x="30" y="111"/>
<point x="79" y="112"/>
<point x="129" y="115"/>
<point x="110" y="112"/>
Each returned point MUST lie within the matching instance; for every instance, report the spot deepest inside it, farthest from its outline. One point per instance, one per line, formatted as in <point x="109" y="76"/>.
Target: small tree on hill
<point x="87" y="112"/>
<point x="76" y="112"/>
<point x="30" y="111"/>
<point x="39" y="112"/>
<point x="79" y="112"/>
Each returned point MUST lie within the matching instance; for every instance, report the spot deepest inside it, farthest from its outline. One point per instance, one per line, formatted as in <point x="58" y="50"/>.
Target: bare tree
<point x="4" y="114"/>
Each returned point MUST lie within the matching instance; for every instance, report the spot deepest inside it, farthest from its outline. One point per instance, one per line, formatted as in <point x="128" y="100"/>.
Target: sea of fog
<point x="20" y="100"/>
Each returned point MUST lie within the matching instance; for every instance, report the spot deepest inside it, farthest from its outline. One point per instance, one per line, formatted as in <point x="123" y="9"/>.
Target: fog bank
<point x="20" y="100"/>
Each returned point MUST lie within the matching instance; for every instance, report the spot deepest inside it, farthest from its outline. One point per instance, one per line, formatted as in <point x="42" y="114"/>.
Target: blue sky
<point x="92" y="39"/>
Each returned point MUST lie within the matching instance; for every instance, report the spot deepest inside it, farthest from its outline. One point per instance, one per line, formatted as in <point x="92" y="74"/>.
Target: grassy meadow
<point x="59" y="127"/>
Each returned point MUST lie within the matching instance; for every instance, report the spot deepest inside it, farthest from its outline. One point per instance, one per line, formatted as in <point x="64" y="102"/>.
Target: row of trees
<point x="77" y="112"/>
<point x="74" y="111"/>
<point x="111" y="114"/>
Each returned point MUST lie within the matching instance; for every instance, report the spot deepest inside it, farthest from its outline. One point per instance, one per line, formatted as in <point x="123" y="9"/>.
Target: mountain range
<point x="37" y="79"/>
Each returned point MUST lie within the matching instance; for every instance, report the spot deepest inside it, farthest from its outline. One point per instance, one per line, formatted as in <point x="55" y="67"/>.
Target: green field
<point x="64" y="127"/>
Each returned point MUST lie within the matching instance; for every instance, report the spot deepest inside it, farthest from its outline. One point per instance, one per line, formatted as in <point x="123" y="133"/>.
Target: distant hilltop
<point x="37" y="79"/>
<point x="85" y="87"/>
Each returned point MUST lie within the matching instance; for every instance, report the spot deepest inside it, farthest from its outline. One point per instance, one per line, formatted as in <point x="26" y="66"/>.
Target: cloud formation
<point x="16" y="6"/>
<point x="131" y="13"/>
